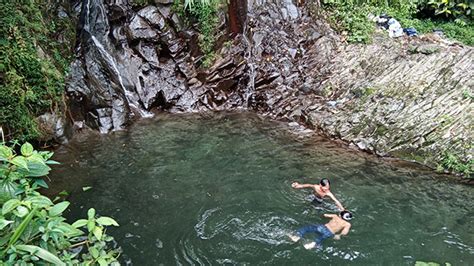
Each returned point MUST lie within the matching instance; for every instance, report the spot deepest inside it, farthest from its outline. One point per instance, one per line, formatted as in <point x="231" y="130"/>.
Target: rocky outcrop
<point x="390" y="98"/>
<point x="410" y="98"/>
<point x="127" y="63"/>
<point x="132" y="61"/>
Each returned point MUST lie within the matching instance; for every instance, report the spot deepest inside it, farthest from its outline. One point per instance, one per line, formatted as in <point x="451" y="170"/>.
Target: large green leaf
<point x="4" y="223"/>
<point x="98" y="232"/>
<point x="31" y="231"/>
<point x="10" y="206"/>
<point x="42" y="253"/>
<point x="94" y="252"/>
<point x="35" y="169"/>
<point x="20" y="161"/>
<point x="22" y="211"/>
<point x="36" y="158"/>
<point x="7" y="191"/>
<point x="69" y="230"/>
<point x="90" y="225"/>
<point x="57" y="209"/>
<point x="79" y="223"/>
<point x="91" y="213"/>
<point x="5" y="153"/>
<point x="106" y="221"/>
<point x="26" y="149"/>
<point x="40" y="201"/>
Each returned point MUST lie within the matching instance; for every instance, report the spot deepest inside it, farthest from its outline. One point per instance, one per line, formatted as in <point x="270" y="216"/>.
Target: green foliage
<point x="189" y="4"/>
<point x="351" y="17"/>
<point x="459" y="10"/>
<point x="204" y="12"/>
<point x="452" y="29"/>
<point x="452" y="162"/>
<point x="32" y="66"/>
<point x="32" y="228"/>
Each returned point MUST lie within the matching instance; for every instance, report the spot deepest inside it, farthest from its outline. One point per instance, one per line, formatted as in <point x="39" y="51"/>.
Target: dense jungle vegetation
<point x="35" y="48"/>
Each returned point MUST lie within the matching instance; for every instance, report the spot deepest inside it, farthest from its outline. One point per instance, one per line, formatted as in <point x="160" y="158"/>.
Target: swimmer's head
<point x="346" y="215"/>
<point x="325" y="183"/>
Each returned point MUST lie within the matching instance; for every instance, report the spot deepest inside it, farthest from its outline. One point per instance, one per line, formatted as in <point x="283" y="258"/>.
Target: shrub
<point x="32" y="228"/>
<point x="459" y="10"/>
<point x="32" y="66"/>
<point x="452" y="162"/>
<point x="204" y="12"/>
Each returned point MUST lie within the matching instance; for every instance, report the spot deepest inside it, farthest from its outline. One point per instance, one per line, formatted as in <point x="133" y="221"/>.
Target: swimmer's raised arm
<point x="298" y="185"/>
<point x="329" y="215"/>
<point x="338" y="204"/>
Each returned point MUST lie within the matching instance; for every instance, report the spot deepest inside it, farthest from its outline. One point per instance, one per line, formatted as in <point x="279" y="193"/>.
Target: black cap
<point x="346" y="215"/>
<point x="324" y="182"/>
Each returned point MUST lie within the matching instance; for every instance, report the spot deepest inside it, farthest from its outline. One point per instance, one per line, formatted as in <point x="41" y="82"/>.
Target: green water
<point x="216" y="190"/>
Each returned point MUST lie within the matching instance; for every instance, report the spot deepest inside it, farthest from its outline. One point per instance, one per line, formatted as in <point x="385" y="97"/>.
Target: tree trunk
<point x="237" y="15"/>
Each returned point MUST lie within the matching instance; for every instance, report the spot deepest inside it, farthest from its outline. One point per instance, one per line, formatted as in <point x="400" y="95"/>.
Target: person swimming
<point x="320" y="191"/>
<point x="338" y="223"/>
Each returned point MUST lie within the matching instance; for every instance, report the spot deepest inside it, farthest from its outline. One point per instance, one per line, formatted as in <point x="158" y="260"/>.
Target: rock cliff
<point x="409" y="98"/>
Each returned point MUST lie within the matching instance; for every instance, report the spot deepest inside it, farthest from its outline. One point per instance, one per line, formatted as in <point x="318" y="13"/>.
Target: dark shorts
<point x="315" y="199"/>
<point x="320" y="229"/>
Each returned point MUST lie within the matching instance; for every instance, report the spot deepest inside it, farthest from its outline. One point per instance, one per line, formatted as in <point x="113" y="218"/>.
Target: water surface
<point x="201" y="189"/>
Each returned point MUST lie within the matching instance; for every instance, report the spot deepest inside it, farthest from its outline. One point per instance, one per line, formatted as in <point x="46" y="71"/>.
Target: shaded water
<point x="216" y="190"/>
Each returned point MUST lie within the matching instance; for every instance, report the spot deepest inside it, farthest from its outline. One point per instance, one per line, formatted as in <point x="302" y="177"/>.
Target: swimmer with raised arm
<point x="338" y="226"/>
<point x="320" y="191"/>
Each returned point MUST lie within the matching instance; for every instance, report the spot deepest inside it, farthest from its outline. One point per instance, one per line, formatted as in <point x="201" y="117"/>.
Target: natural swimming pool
<point x="216" y="189"/>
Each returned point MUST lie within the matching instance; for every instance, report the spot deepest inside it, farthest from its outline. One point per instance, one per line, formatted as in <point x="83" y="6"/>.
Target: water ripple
<point x="216" y="189"/>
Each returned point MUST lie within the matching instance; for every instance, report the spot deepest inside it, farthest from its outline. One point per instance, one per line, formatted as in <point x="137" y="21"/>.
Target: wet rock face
<point x="127" y="63"/>
<point x="407" y="98"/>
<point x="130" y="62"/>
<point x="404" y="98"/>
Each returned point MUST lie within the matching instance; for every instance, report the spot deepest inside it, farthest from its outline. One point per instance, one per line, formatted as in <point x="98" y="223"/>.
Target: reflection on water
<point x="216" y="190"/>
